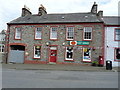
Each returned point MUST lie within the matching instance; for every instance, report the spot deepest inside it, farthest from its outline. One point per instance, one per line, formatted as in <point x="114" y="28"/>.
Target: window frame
<point x="67" y="33"/>
<point x="20" y="33"/>
<point x="51" y="33"/>
<point x="66" y="54"/>
<point x="90" y="55"/>
<point x="115" y="34"/>
<point x="2" y="50"/>
<point x="35" y="33"/>
<point x="115" y="54"/>
<point x="84" y="34"/>
<point x="34" y="52"/>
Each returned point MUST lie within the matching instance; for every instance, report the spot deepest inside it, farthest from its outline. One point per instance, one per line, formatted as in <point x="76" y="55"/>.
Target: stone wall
<point x="28" y="39"/>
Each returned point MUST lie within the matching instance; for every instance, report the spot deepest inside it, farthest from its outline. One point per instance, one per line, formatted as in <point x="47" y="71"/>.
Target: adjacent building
<point x="2" y="44"/>
<point x="75" y="38"/>
<point x="112" y="39"/>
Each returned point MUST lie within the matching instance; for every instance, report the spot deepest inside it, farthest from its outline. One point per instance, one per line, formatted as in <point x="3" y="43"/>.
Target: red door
<point x="53" y="55"/>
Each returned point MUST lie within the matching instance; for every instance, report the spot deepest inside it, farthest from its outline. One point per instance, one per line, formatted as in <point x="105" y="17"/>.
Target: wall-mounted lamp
<point x="26" y="53"/>
<point x="47" y="43"/>
<point x="63" y="44"/>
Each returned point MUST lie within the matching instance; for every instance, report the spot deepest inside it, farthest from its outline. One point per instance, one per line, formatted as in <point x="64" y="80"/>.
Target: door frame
<point x="50" y="53"/>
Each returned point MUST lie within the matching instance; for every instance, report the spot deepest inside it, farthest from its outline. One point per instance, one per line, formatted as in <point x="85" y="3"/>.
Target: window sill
<point x="17" y="39"/>
<point x="87" y="40"/>
<point x="36" y="58"/>
<point x="69" y="60"/>
<point x="37" y="39"/>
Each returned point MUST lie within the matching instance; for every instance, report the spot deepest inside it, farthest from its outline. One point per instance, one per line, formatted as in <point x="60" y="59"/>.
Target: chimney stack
<point x="100" y="13"/>
<point x="25" y="11"/>
<point x="94" y="8"/>
<point x="42" y="10"/>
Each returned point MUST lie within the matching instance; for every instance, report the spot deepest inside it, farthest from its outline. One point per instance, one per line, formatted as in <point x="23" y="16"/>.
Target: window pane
<point x="53" y="33"/>
<point x="3" y="48"/>
<point x="69" y="53"/>
<point x="118" y="54"/>
<point x="38" y="33"/>
<point x="70" y="33"/>
<point x="18" y="33"/>
<point x="0" y="49"/>
<point x="117" y="33"/>
<point x="87" y="54"/>
<point x="88" y="33"/>
<point x="37" y="51"/>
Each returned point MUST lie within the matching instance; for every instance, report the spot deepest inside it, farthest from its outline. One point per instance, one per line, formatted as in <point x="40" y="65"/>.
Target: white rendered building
<point x="112" y="40"/>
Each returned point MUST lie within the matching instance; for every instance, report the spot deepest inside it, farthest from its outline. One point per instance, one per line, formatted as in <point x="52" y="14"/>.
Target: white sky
<point x="11" y="9"/>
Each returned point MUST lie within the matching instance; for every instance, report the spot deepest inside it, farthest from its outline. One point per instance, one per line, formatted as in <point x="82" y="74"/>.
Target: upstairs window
<point x="117" y="34"/>
<point x="87" y="33"/>
<point x="70" y="33"/>
<point x="38" y="33"/>
<point x="53" y="33"/>
<point x="18" y="33"/>
<point x="37" y="52"/>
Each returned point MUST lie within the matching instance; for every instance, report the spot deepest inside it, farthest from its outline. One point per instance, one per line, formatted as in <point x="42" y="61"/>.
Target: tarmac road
<point x="12" y="78"/>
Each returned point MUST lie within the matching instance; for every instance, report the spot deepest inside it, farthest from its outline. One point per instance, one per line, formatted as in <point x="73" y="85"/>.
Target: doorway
<point x="16" y="54"/>
<point x="53" y="54"/>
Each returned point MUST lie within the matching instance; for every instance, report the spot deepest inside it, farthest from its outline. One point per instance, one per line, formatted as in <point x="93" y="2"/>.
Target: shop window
<point x="117" y="54"/>
<point x="38" y="33"/>
<point x="69" y="53"/>
<point x="87" y="54"/>
<point x="37" y="52"/>
<point x="53" y="33"/>
<point x="117" y="34"/>
<point x="18" y="33"/>
<point x="87" y="33"/>
<point x="70" y="33"/>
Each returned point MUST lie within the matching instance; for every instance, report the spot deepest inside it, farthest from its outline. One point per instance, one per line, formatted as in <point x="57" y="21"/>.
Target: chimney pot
<point x="25" y="11"/>
<point x="42" y="10"/>
<point x="94" y="8"/>
<point x="100" y="13"/>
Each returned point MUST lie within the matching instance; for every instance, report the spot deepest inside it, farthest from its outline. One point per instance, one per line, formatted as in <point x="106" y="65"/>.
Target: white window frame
<point x="53" y="32"/>
<point x="86" y="30"/>
<point x="70" y="33"/>
<point x="66" y="54"/>
<point x="35" y="56"/>
<point x="18" y="32"/>
<point x="38" y="34"/>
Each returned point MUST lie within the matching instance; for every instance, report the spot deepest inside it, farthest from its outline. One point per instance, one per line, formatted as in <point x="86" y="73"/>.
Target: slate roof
<point x="57" y="18"/>
<point x="111" y="20"/>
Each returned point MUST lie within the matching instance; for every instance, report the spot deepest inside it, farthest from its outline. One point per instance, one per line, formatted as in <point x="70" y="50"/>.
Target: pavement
<point x="62" y="67"/>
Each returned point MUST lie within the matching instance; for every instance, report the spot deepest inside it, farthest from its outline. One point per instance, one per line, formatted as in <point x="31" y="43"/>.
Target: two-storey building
<point x="112" y="39"/>
<point x="56" y="38"/>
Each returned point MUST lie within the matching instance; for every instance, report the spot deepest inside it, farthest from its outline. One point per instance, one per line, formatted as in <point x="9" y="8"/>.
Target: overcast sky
<point x="11" y="9"/>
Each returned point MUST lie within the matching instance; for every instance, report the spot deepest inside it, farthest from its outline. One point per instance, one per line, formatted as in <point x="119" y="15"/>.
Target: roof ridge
<point x="71" y="13"/>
